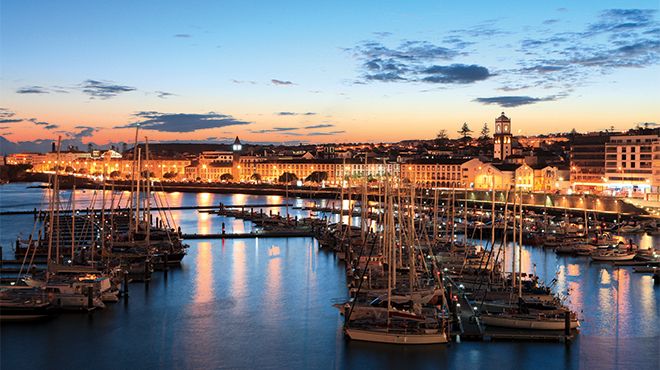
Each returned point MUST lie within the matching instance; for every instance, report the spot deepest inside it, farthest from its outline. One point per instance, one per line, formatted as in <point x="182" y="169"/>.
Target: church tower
<point x="502" y="138"/>
<point x="236" y="159"/>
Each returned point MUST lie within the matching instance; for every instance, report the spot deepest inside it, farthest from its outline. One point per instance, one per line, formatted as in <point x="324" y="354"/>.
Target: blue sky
<point x="368" y="70"/>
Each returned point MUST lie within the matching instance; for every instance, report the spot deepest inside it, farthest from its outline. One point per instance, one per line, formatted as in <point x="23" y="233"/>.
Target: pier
<point x="177" y="208"/>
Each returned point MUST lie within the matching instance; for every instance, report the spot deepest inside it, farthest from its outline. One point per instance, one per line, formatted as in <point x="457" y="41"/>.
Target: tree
<point x="115" y="174"/>
<point x="82" y="171"/>
<point x="170" y="175"/>
<point x="485" y="132"/>
<point x="147" y="174"/>
<point x="226" y="177"/>
<point x="441" y="137"/>
<point x="287" y="177"/>
<point x="465" y="131"/>
<point x="255" y="177"/>
<point x="317" y="176"/>
<point x="69" y="169"/>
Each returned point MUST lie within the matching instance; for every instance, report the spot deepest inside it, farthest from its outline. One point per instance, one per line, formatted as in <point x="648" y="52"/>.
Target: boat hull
<point x="628" y="257"/>
<point x="395" y="338"/>
<point x="529" y="324"/>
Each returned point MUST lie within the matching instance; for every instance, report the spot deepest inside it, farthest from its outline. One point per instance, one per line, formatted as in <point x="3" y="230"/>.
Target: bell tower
<point x="236" y="159"/>
<point x="502" y="138"/>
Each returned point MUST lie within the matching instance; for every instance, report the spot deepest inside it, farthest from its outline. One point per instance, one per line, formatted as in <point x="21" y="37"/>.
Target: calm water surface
<point x="267" y="303"/>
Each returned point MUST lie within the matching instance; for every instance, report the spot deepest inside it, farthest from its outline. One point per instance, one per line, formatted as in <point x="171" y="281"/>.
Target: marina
<point x="330" y="185"/>
<point x="573" y="275"/>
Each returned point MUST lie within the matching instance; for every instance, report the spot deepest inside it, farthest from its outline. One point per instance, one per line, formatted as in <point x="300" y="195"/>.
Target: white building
<point x="630" y="162"/>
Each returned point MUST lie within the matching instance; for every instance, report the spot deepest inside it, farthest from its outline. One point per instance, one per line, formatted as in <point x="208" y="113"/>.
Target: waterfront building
<point x="333" y="170"/>
<point x="25" y="158"/>
<point x="587" y="162"/>
<point x="441" y="172"/>
<point x="546" y="179"/>
<point x="502" y="176"/>
<point x="629" y="164"/>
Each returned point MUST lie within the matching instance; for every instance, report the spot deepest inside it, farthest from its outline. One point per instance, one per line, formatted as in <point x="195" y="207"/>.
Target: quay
<point x="263" y="234"/>
<point x="179" y="208"/>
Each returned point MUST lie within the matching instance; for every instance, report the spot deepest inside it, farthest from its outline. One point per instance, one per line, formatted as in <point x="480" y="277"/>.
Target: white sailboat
<point x="388" y="324"/>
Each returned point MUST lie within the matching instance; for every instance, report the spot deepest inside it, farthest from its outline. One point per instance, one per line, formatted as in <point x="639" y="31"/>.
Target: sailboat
<point x="19" y="303"/>
<point x="385" y="320"/>
<point x="65" y="286"/>
<point x="540" y="316"/>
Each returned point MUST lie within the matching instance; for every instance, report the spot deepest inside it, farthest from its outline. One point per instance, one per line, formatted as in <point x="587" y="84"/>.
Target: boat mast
<point x="57" y="204"/>
<point x="364" y="200"/>
<point x="586" y="221"/>
<point x="492" y="215"/>
<point x="51" y="216"/>
<point x="453" y="216"/>
<point x="390" y="257"/>
<point x="465" y="219"/>
<point x="411" y="243"/>
<point x="103" y="220"/>
<point x="513" y="255"/>
<point x="520" y="247"/>
<point x="73" y="219"/>
<point x="137" y="191"/>
<point x="132" y="199"/>
<point x="435" y="215"/>
<point x="147" y="208"/>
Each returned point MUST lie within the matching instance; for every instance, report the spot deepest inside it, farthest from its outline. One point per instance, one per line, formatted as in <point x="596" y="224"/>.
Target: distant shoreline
<point x="607" y="207"/>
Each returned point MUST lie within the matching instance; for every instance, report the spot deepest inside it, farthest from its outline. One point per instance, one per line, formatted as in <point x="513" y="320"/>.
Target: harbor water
<point x="267" y="303"/>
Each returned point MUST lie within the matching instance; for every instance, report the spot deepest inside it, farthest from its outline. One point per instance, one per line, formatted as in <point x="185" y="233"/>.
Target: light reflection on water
<point x="266" y="302"/>
<point x="204" y="281"/>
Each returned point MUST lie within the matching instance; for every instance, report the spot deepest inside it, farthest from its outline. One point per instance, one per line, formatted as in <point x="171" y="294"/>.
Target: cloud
<point x="7" y="116"/>
<point x="616" y="39"/>
<point x="274" y="129"/>
<point x="244" y="82"/>
<point x="456" y="74"/>
<point x="32" y="90"/>
<point x="281" y="82"/>
<point x="103" y="89"/>
<point x="550" y="21"/>
<point x="328" y="133"/>
<point x="322" y="125"/>
<point x="182" y="122"/>
<point x="164" y="94"/>
<point x="414" y="61"/>
<point x="622" y="20"/>
<point x="513" y="101"/>
<point x="37" y="122"/>
<point x="383" y="34"/>
<point x="295" y="114"/>
<point x="183" y="35"/>
<point x="85" y="131"/>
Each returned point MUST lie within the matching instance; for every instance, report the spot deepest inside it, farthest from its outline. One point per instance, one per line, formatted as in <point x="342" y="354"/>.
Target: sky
<point x="339" y="71"/>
